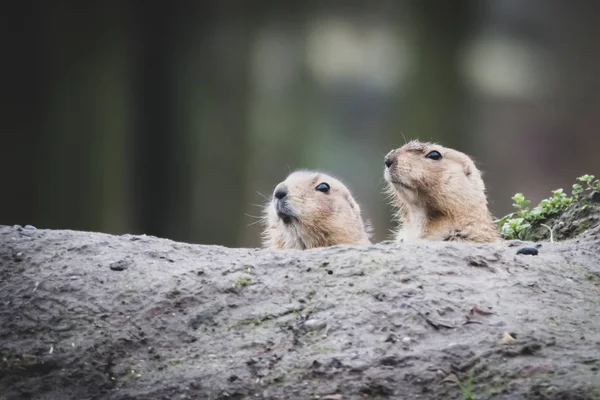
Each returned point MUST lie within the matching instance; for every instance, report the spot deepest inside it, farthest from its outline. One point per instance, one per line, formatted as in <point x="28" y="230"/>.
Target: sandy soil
<point x="94" y="316"/>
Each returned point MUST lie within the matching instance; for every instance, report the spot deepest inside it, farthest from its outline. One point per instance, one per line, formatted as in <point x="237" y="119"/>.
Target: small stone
<point x="406" y="339"/>
<point x="528" y="251"/>
<point x="120" y="265"/>
<point x="30" y="227"/>
<point x="530" y="349"/>
<point x="391" y="338"/>
<point x="450" y="378"/>
<point x="315" y="324"/>
<point x="507" y="338"/>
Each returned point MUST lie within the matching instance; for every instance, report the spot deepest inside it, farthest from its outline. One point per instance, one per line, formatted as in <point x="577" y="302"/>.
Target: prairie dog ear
<point x="467" y="170"/>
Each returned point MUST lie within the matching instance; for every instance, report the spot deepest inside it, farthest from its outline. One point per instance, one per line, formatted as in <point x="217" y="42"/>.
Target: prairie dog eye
<point x="434" y="155"/>
<point x="323" y="187"/>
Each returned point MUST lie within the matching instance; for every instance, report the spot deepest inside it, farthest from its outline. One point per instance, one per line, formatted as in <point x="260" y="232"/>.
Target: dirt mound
<point x="94" y="316"/>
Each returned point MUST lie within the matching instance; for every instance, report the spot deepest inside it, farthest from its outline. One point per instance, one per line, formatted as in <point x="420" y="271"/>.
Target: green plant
<point x="466" y="389"/>
<point x="517" y="223"/>
<point x="592" y="184"/>
<point x="243" y="281"/>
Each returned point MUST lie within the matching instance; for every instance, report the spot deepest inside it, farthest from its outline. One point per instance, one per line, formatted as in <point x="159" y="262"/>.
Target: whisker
<point x="253" y="223"/>
<point x="404" y="137"/>
<point x="262" y="195"/>
<point x="253" y="216"/>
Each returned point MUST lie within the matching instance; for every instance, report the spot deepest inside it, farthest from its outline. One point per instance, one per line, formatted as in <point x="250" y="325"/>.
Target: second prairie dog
<point x="311" y="209"/>
<point x="439" y="193"/>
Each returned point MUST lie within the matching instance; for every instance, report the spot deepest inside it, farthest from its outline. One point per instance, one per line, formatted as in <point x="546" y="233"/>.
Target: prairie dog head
<point x="434" y="179"/>
<point x="311" y="209"/>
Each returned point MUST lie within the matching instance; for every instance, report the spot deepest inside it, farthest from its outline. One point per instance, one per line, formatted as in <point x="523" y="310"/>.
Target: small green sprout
<point x="551" y="232"/>
<point x="521" y="203"/>
<point x="243" y="281"/>
<point x="466" y="389"/>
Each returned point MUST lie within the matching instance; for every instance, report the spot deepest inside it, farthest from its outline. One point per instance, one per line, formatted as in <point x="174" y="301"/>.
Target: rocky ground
<point x="94" y="316"/>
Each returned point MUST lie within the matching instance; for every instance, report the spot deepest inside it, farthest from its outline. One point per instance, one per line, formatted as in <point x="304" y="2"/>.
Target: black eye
<point x="323" y="187"/>
<point x="434" y="155"/>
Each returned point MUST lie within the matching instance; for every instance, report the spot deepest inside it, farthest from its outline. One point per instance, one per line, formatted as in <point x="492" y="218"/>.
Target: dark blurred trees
<point x="23" y="88"/>
<point x="110" y="134"/>
<point x="435" y="102"/>
<point x="168" y="119"/>
<point x="156" y="167"/>
<point x="66" y="113"/>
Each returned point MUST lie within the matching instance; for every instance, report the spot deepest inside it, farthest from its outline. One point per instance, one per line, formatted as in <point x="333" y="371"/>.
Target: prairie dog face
<point x="311" y="209"/>
<point x="431" y="176"/>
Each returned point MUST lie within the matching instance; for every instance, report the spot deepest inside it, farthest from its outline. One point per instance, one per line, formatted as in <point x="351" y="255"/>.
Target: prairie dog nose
<point x="281" y="191"/>
<point x="389" y="160"/>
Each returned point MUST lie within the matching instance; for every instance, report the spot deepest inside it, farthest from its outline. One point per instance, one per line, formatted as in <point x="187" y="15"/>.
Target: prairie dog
<point x="311" y="209"/>
<point x="439" y="193"/>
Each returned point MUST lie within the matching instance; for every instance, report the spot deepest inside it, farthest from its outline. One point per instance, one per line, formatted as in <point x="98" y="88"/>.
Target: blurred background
<point x="172" y="118"/>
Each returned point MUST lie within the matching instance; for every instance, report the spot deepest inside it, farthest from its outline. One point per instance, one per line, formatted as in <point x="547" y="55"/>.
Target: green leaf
<point x="502" y="220"/>
<point x="518" y="197"/>
<point x="520" y="201"/>
<point x="586" y="178"/>
<point x="507" y="232"/>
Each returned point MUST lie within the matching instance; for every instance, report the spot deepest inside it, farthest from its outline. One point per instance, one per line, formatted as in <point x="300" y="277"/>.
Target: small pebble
<point x="507" y="338"/>
<point x="391" y="339"/>
<point x="315" y="324"/>
<point x="30" y="227"/>
<point x="406" y="339"/>
<point x="528" y="251"/>
<point x="119" y="265"/>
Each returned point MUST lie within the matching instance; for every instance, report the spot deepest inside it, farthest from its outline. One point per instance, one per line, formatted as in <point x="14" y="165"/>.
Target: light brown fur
<point x="318" y="219"/>
<point x="438" y="199"/>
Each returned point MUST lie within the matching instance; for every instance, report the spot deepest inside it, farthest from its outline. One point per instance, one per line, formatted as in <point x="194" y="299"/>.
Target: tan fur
<point x="438" y="199"/>
<point x="322" y="219"/>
